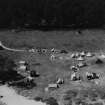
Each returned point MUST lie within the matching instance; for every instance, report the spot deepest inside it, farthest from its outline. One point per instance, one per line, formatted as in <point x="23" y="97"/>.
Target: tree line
<point x="52" y="13"/>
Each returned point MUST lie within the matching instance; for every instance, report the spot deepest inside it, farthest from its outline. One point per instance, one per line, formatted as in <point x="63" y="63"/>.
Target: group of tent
<point x="59" y="81"/>
<point x="89" y="75"/>
<point x="81" y="58"/>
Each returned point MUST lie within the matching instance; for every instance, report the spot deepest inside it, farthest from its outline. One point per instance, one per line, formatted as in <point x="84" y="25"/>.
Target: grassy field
<point x="89" y="40"/>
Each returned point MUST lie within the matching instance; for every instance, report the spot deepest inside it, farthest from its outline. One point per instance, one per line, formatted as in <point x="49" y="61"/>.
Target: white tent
<point x="82" y="53"/>
<point x="80" y="58"/>
<point x="89" y="54"/>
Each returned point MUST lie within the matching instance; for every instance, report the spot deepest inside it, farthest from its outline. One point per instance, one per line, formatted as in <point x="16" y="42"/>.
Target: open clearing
<point x="89" y="40"/>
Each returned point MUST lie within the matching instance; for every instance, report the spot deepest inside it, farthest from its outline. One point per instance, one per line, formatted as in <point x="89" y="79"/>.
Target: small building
<point x="53" y="86"/>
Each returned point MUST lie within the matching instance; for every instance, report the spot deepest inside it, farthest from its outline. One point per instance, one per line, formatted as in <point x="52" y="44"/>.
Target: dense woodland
<point x="52" y="13"/>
